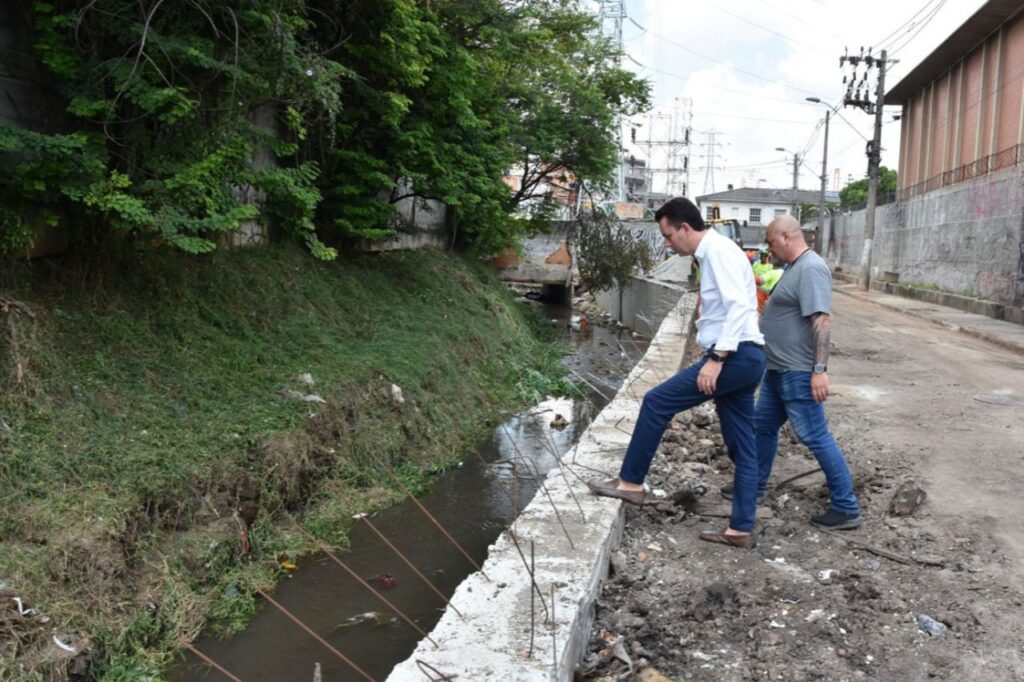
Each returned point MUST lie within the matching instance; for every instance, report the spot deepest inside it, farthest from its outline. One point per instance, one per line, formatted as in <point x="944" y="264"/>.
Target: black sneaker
<point x="726" y="492"/>
<point x="834" y="520"/>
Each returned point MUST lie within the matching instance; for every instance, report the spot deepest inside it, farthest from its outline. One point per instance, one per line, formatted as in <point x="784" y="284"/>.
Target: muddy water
<point x="474" y="503"/>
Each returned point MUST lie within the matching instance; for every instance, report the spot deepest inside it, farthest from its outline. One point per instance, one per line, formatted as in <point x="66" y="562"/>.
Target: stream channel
<point x="473" y="503"/>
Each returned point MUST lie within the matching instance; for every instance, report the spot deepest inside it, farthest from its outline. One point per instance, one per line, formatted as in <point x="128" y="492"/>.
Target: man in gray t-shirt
<point x="795" y="325"/>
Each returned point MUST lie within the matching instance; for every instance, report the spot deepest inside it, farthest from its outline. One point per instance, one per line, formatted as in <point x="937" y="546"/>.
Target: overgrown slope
<point x="158" y="442"/>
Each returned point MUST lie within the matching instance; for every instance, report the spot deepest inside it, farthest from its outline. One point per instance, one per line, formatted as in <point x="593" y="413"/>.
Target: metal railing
<point x="1011" y="156"/>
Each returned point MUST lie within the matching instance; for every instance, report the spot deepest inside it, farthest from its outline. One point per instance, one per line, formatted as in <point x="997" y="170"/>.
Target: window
<point x="755" y="216"/>
<point x="780" y="212"/>
<point x="709" y="213"/>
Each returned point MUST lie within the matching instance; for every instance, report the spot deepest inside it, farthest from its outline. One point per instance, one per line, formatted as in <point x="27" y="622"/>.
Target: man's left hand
<point x="819" y="386"/>
<point x="707" y="379"/>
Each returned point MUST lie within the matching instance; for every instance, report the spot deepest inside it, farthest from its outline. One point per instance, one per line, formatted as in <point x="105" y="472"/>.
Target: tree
<point x="856" y="193"/>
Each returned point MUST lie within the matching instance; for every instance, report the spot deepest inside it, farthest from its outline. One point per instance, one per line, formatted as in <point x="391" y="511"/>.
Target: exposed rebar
<point x="359" y="579"/>
<point x="547" y="493"/>
<point x="212" y="663"/>
<point x="317" y="637"/>
<point x="408" y="563"/>
<point x="430" y="516"/>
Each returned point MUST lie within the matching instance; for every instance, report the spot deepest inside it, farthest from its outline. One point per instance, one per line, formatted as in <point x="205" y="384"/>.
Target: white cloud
<point x="756" y="115"/>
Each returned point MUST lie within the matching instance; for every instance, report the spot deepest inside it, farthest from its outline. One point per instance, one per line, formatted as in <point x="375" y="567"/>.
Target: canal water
<point x="474" y="502"/>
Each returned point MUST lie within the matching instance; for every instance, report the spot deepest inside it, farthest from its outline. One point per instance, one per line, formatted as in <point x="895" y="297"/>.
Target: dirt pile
<point x="804" y="604"/>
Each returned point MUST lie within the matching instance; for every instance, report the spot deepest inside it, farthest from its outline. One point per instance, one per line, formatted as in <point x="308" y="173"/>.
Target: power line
<point x="908" y="25"/>
<point x="920" y="28"/>
<point x="745" y="93"/>
<point x="772" y="31"/>
<point x="816" y="27"/>
<point x="718" y="61"/>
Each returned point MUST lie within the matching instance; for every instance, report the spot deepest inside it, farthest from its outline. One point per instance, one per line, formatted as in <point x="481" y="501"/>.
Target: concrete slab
<point x="515" y="628"/>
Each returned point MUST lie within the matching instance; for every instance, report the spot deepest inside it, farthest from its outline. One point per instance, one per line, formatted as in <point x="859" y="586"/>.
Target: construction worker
<point x="762" y="265"/>
<point x="765" y="283"/>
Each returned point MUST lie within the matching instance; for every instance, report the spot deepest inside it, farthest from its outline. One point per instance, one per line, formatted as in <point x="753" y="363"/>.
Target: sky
<point x="745" y="67"/>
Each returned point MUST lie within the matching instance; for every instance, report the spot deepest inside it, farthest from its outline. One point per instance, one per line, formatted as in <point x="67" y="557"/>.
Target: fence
<point x="1011" y="156"/>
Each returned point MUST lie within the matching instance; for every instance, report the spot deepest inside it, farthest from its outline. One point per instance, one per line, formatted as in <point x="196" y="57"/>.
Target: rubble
<point x="805" y="604"/>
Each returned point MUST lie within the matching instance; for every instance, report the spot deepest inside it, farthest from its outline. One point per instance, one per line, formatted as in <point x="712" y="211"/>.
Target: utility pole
<point x="796" y="181"/>
<point x="858" y="94"/>
<point x="820" y="244"/>
<point x="820" y="241"/>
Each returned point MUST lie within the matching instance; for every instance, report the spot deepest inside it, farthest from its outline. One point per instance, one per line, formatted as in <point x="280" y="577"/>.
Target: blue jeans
<point x="734" y="400"/>
<point x="786" y="394"/>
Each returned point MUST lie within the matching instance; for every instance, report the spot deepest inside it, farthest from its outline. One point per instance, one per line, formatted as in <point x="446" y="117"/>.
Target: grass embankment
<point x="154" y="448"/>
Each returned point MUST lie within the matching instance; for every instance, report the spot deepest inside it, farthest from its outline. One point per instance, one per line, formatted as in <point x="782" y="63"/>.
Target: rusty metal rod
<point x="317" y="637"/>
<point x="431" y="670"/>
<point x="430" y="516"/>
<point x="359" y="579"/>
<point x="529" y="571"/>
<point x="547" y="493"/>
<point x="212" y="663"/>
<point x="596" y="389"/>
<point x="408" y="563"/>
<point x="552" y="448"/>
<point x="533" y="599"/>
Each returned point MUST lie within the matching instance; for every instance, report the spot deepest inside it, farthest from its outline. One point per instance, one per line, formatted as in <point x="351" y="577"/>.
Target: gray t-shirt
<point x="805" y="289"/>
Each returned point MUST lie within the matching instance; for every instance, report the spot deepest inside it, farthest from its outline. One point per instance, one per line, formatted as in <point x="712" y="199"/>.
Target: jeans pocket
<point x="795" y="385"/>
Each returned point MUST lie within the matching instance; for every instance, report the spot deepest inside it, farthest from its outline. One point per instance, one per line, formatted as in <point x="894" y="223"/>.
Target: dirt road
<point x="807" y="605"/>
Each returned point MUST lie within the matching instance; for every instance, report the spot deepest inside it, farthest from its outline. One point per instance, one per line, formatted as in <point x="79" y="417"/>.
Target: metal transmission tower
<point x="710" y="157"/>
<point x="611" y="15"/>
<point x="858" y="94"/>
<point x="667" y="148"/>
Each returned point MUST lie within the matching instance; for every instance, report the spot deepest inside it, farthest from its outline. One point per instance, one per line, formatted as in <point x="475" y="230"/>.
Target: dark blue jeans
<point x="734" y="399"/>
<point x="786" y="394"/>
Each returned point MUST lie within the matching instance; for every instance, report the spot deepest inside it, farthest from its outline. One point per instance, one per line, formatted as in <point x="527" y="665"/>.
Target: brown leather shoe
<point x="608" y="489"/>
<point x="744" y="541"/>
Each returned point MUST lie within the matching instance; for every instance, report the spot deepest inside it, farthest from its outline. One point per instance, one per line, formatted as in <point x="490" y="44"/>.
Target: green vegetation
<point x="175" y="122"/>
<point x="856" y="193"/>
<point x="154" y="446"/>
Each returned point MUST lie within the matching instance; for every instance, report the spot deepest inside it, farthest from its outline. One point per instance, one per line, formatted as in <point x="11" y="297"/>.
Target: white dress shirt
<point x="728" y="302"/>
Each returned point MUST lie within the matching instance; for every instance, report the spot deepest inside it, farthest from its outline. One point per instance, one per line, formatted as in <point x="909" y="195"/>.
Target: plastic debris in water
<point x="385" y="580"/>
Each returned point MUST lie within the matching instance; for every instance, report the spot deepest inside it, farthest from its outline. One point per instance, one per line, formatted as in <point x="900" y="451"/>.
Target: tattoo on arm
<point x="820" y="331"/>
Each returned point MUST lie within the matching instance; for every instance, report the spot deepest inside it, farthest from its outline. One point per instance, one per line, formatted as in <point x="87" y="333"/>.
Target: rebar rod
<point x="212" y="663"/>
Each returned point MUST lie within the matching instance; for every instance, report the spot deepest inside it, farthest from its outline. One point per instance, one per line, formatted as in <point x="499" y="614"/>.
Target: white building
<point x="758" y="206"/>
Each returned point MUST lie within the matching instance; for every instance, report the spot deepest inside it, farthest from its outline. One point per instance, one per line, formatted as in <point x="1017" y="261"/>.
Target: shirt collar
<point x="702" y="248"/>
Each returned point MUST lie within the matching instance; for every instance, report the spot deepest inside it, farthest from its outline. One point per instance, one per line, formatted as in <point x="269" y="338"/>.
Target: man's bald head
<point x="785" y="238"/>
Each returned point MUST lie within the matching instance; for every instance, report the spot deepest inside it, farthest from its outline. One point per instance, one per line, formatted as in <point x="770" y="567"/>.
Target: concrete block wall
<point x="642" y="304"/>
<point x="966" y="239"/>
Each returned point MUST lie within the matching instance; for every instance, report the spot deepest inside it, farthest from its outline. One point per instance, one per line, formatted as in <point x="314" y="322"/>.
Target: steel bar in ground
<point x="431" y="670"/>
<point x="359" y="579"/>
<point x="529" y="571"/>
<point x="596" y="389"/>
<point x="212" y="663"/>
<point x="533" y="599"/>
<point x="318" y="638"/>
<point x="552" y="447"/>
<point x="408" y="563"/>
<point x="554" y="632"/>
<point x="546" y="492"/>
<point x="431" y="517"/>
<point x="513" y="498"/>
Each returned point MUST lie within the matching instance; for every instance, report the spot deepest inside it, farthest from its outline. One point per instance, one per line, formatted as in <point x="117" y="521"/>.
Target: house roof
<point x="958" y="45"/>
<point x="766" y="195"/>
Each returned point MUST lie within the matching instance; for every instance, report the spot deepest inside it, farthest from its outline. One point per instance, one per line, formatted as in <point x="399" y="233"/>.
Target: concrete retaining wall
<point x="642" y="304"/>
<point x="492" y="641"/>
<point x="964" y="239"/>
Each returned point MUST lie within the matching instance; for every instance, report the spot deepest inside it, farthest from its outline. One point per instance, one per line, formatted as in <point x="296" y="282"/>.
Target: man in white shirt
<point x="728" y="373"/>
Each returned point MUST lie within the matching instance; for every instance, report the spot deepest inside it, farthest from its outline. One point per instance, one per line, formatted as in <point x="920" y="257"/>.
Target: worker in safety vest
<point x="762" y="265"/>
<point x="765" y="283"/>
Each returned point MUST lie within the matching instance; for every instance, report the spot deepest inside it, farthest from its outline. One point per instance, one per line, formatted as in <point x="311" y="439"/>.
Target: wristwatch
<point x="714" y="357"/>
<point x="820" y="368"/>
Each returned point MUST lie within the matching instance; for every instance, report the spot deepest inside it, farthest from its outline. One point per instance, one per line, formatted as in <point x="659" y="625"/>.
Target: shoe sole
<point x="845" y="525"/>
